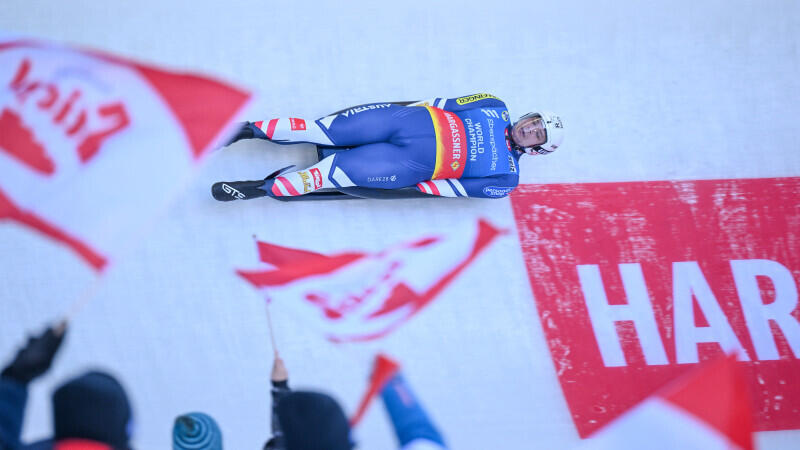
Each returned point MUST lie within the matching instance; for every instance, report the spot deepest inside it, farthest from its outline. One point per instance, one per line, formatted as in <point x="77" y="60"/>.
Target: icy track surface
<point x="674" y="90"/>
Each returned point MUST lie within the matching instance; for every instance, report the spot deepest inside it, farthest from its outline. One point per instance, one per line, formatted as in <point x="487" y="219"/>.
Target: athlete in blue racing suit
<point x="458" y="147"/>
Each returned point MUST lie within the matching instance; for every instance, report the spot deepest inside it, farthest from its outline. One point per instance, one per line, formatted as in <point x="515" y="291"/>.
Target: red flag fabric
<point x="383" y="371"/>
<point x="707" y="409"/>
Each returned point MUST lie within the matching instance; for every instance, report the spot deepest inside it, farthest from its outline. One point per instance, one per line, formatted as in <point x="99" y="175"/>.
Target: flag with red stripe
<point x="92" y="145"/>
<point x="355" y="296"/>
<point x="708" y="409"/>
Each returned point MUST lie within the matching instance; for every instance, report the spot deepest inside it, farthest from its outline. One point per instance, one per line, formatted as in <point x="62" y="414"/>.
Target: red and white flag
<point x="383" y="370"/>
<point x="93" y="145"/>
<point x="705" y="410"/>
<point x="357" y="296"/>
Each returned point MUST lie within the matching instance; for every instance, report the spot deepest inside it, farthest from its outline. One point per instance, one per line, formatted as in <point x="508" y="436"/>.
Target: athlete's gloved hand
<point x="245" y="131"/>
<point x="35" y="358"/>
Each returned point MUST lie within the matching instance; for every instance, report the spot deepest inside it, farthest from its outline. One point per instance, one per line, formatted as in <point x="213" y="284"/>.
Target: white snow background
<point x="648" y="91"/>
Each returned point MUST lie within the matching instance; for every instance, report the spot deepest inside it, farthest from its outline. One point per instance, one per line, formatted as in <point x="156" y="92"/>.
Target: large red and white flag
<point x="357" y="296"/>
<point x="93" y="145"/>
<point x="705" y="410"/>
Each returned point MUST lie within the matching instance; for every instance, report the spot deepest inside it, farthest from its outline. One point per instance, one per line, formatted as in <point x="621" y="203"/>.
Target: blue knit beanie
<point x="196" y="431"/>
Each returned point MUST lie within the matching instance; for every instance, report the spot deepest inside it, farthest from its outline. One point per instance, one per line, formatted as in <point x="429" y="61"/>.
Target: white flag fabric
<point x="708" y="409"/>
<point x="93" y="145"/>
<point x="356" y="296"/>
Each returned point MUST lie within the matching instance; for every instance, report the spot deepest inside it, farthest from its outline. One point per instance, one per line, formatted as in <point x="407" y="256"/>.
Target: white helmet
<point x="554" y="132"/>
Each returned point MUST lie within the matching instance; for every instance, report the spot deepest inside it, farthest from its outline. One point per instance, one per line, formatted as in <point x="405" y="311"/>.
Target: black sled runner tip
<point x="227" y="191"/>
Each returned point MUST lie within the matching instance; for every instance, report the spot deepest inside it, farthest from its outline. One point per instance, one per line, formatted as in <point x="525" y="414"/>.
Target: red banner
<point x="635" y="283"/>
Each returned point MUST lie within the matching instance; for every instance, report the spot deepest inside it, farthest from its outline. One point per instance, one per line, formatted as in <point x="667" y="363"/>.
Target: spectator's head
<point x="311" y="420"/>
<point x="196" y="431"/>
<point x="94" y="407"/>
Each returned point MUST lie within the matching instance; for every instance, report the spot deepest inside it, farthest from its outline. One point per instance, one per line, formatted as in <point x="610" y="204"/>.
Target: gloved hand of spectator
<point x="35" y="358"/>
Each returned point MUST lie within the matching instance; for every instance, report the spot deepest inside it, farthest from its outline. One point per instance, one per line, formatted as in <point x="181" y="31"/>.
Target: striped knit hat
<point x="196" y="431"/>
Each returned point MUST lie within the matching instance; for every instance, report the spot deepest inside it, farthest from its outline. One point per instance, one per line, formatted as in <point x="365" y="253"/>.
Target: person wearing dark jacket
<point x="308" y="420"/>
<point x="313" y="421"/>
<point x="90" y="412"/>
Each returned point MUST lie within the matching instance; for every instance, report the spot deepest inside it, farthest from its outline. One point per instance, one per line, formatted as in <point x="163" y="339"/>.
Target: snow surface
<point x="648" y="90"/>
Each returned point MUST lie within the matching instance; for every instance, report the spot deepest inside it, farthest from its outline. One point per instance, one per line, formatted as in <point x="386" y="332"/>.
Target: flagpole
<point x="79" y="304"/>
<point x="269" y="316"/>
<point x="269" y="325"/>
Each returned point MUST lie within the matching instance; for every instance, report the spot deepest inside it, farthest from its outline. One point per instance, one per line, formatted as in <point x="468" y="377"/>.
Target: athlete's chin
<point x="516" y="138"/>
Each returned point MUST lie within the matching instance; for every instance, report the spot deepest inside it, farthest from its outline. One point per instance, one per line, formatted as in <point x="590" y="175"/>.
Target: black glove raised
<point x="36" y="357"/>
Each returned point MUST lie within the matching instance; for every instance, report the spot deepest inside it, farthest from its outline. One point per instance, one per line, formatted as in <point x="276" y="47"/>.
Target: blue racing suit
<point x="458" y="147"/>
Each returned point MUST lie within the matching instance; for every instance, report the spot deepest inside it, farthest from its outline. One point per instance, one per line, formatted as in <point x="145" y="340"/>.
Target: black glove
<point x="245" y="131"/>
<point x="36" y="357"/>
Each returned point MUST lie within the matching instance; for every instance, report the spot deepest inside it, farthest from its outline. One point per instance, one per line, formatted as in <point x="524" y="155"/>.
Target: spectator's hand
<point x="35" y="358"/>
<point x="279" y="372"/>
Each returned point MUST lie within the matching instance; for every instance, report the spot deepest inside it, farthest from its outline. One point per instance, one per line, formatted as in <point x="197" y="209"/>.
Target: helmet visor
<point x="529" y="131"/>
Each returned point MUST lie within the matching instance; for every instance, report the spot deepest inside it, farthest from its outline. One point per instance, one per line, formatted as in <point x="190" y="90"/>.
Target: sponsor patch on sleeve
<point x="474" y="98"/>
<point x="496" y="192"/>
<point x="317" y="176"/>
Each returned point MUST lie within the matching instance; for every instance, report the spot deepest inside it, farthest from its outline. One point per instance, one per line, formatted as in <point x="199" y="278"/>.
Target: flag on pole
<point x="358" y="296"/>
<point x="382" y="371"/>
<point x="93" y="145"/>
<point x="705" y="410"/>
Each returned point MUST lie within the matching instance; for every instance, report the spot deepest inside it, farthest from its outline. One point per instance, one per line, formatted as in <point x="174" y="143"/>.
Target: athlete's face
<point x="529" y="132"/>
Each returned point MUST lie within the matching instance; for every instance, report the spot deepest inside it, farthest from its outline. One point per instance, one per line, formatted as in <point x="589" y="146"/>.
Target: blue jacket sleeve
<point x="13" y="396"/>
<point x="409" y="419"/>
<point x="279" y="391"/>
